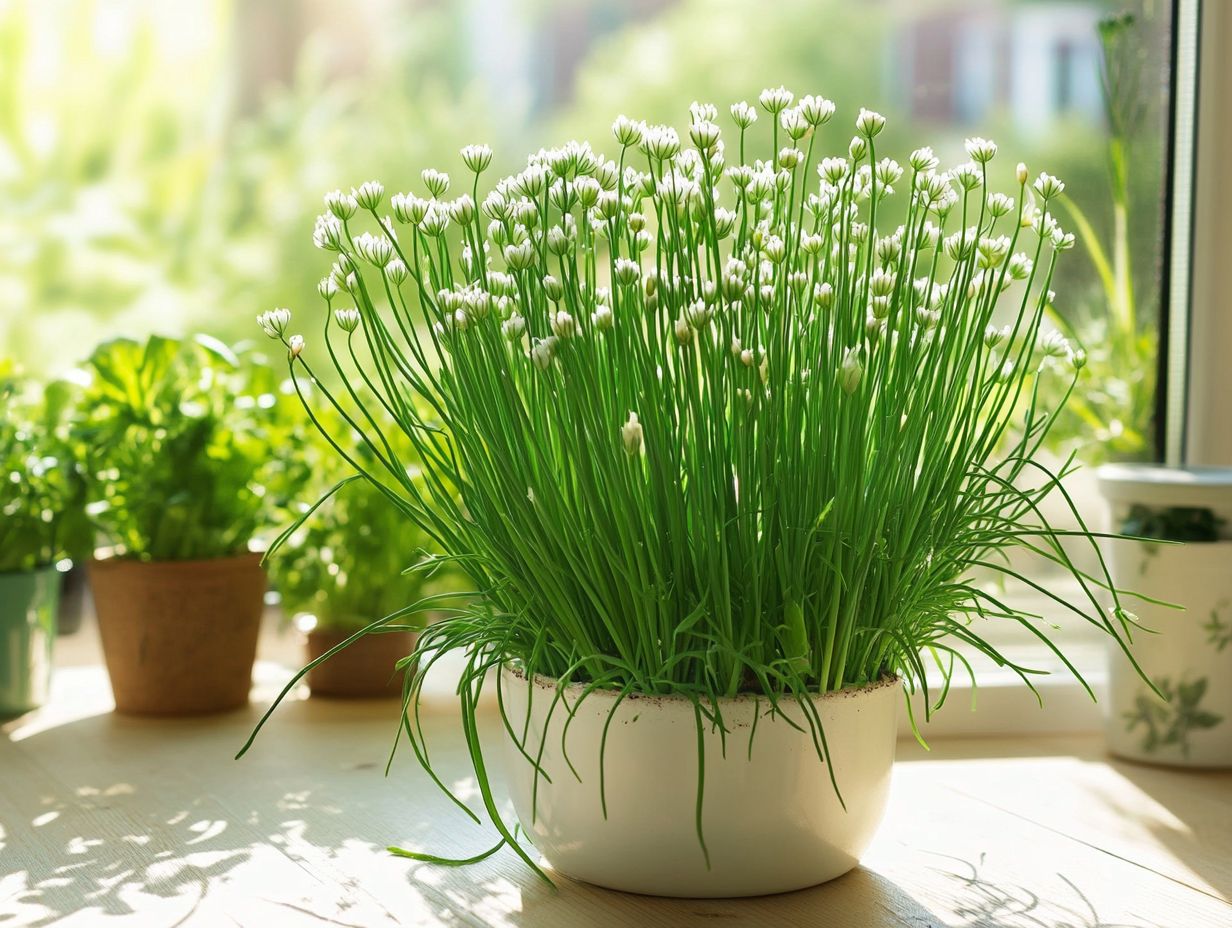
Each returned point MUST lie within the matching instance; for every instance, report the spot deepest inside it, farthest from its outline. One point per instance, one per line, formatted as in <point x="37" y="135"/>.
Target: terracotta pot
<point x="27" y="630"/>
<point x="771" y="819"/>
<point x="179" y="637"/>
<point x="364" y="670"/>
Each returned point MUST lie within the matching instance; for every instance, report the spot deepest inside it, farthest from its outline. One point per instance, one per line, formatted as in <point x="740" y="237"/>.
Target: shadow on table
<point x="880" y="902"/>
<point x="861" y="899"/>
<point x="982" y="902"/>
<point x="178" y="856"/>
<point x="109" y="816"/>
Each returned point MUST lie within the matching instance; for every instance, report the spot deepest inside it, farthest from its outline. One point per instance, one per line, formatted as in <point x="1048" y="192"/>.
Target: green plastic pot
<point x="28" y="603"/>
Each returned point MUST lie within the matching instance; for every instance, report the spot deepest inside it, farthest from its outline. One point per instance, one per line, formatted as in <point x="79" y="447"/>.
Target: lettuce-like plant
<point x="41" y="490"/>
<point x="724" y="416"/>
<point x="356" y="558"/>
<point x="181" y="447"/>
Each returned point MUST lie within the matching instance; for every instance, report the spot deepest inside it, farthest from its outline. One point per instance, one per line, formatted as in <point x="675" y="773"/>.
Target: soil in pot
<point x="179" y="637"/>
<point x="363" y="670"/>
<point x="771" y="819"/>
<point x="28" y="603"/>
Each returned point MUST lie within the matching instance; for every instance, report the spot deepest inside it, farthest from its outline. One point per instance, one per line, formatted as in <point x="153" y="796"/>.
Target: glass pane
<point x="160" y="165"/>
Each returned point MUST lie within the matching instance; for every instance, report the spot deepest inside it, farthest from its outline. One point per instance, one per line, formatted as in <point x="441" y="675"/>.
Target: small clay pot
<point x="179" y="637"/>
<point x="363" y="670"/>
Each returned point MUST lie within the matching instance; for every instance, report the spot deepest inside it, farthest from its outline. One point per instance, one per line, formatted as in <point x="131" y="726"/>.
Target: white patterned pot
<point x="1190" y="655"/>
<point x="770" y="818"/>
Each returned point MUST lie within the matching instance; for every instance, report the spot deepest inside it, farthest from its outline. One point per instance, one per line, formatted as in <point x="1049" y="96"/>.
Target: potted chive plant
<point x="342" y="566"/>
<point x="39" y="527"/>
<point x="734" y="417"/>
<point x="178" y="442"/>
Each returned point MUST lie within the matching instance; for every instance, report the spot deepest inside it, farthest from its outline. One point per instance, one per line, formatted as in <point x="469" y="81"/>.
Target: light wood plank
<point x="113" y="821"/>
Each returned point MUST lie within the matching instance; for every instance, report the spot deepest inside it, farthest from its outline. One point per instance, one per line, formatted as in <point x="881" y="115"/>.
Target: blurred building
<point x="972" y="62"/>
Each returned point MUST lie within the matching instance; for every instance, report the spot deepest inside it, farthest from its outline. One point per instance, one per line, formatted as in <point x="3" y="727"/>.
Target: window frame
<point x="1192" y="423"/>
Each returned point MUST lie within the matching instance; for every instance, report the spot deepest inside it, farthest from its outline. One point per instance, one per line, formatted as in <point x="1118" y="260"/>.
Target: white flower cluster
<point x="672" y="239"/>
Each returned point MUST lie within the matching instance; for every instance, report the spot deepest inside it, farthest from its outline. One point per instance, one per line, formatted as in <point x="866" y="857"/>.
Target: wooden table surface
<point x="107" y="820"/>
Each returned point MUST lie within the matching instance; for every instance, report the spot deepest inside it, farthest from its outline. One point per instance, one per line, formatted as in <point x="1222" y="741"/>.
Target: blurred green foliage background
<point x="160" y="164"/>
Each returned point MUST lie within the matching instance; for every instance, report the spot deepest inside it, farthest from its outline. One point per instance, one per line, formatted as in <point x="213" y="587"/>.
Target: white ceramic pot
<point x="771" y="819"/>
<point x="1190" y="655"/>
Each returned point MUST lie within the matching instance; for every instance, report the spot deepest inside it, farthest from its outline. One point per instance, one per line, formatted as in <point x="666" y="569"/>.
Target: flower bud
<point x="462" y="210"/>
<point x="704" y="135"/>
<point x="999" y="204"/>
<point x="1052" y="344"/>
<point x="296" y="345"/>
<point x="775" y="100"/>
<point x="563" y="325"/>
<point x="348" y="319"/>
<point x="816" y="110"/>
<point x="520" y="257"/>
<point x="628" y="132"/>
<point x="542" y="351"/>
<point x="923" y="159"/>
<point x="435" y="221"/>
<point x="789" y="158"/>
<point x="327" y="233"/>
<point x="477" y="157"/>
<point x="369" y="194"/>
<point x="627" y="272"/>
<point x="553" y="288"/>
<point x="602" y="318"/>
<point x="631" y="435"/>
<point x="513" y="327"/>
<point x="851" y="371"/>
<point x="994" y="336"/>
<point x="794" y="123"/>
<point x="1048" y="186"/>
<point x="342" y="205"/>
<point x="274" y="322"/>
<point x="437" y="182"/>
<point x="743" y="114"/>
<point x="684" y="332"/>
<point x="981" y="150"/>
<point x="868" y="123"/>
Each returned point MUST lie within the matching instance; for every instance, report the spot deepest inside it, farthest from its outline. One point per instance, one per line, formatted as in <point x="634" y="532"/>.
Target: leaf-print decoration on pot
<point x="1186" y="652"/>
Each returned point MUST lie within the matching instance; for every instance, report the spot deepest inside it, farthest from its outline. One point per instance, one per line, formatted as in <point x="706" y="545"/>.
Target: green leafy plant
<point x="41" y="491"/>
<point x="1117" y="402"/>
<point x="1169" y="716"/>
<point x="181" y="443"/>
<point x="723" y="417"/>
<point x="140" y="197"/>
<point x="356" y="558"/>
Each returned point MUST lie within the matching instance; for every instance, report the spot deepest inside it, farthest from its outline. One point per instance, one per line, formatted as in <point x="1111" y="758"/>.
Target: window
<point x="186" y="205"/>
